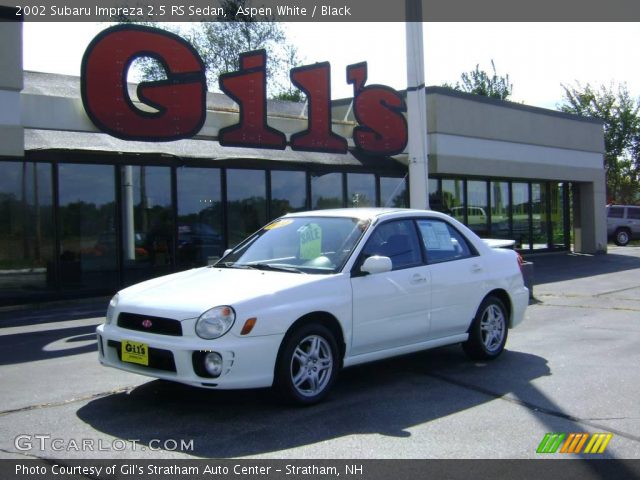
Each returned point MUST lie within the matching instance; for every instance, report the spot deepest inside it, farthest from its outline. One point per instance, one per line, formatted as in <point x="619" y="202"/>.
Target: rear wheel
<point x="488" y="332"/>
<point x="622" y="237"/>
<point x="307" y="365"/>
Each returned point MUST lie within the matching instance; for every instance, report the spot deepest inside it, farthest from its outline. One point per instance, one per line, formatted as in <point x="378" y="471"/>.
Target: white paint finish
<point x="403" y="316"/>
<point x="279" y="298"/>
<point x="10" y="111"/>
<point x="477" y="148"/>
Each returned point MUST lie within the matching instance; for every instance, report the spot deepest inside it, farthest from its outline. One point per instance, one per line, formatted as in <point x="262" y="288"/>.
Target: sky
<point x="538" y="57"/>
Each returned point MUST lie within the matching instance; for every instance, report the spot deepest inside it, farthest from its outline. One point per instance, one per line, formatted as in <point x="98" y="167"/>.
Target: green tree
<point x="620" y="114"/>
<point x="482" y="83"/>
<point x="220" y="43"/>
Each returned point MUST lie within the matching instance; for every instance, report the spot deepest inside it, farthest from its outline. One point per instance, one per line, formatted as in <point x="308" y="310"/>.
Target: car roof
<point x="375" y="214"/>
<point x="367" y="213"/>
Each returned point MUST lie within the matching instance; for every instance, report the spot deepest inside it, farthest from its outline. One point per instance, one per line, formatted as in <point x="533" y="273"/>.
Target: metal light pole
<point x="416" y="108"/>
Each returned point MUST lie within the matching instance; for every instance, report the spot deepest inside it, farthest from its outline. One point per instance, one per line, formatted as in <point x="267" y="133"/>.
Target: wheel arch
<point x="323" y="318"/>
<point x="504" y="297"/>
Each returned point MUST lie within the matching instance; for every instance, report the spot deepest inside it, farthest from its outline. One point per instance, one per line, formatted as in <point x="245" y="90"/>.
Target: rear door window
<point x="442" y="242"/>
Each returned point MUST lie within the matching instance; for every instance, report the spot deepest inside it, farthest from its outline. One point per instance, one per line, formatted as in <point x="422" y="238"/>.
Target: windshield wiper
<point x="270" y="266"/>
<point x="229" y="265"/>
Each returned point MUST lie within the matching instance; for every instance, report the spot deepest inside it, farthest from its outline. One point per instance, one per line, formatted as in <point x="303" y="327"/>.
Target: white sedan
<point x="313" y="292"/>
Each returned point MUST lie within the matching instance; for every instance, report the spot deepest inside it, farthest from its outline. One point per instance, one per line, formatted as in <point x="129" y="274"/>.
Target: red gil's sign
<point x="179" y="101"/>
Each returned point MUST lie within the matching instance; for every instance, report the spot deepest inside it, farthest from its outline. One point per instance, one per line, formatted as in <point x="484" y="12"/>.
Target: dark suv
<point x="623" y="223"/>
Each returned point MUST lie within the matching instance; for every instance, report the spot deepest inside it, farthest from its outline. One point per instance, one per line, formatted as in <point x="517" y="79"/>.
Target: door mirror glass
<point x="376" y="264"/>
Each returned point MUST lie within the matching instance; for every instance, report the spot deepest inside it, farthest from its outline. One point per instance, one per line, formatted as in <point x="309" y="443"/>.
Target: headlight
<point x="111" y="308"/>
<point x="215" y="322"/>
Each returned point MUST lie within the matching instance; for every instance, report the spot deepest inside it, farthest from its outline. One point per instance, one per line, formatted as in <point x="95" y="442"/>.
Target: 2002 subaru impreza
<point x="313" y="292"/>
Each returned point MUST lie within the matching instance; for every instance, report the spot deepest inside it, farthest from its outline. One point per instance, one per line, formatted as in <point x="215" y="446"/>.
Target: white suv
<point x="623" y="223"/>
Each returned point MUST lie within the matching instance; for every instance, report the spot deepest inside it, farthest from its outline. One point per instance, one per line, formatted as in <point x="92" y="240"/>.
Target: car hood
<point x="188" y="294"/>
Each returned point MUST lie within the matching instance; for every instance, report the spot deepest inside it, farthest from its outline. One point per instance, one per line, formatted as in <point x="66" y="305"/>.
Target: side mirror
<point x="227" y="252"/>
<point x="376" y="264"/>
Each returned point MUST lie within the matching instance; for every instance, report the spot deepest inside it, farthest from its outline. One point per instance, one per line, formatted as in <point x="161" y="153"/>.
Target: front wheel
<point x="307" y="365"/>
<point x="488" y="332"/>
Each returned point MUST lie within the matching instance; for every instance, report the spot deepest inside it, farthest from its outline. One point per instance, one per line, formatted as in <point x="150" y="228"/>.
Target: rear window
<point x="616" y="212"/>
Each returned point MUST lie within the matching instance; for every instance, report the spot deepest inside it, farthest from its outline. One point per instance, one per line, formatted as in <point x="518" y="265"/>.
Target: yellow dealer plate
<point x="135" y="352"/>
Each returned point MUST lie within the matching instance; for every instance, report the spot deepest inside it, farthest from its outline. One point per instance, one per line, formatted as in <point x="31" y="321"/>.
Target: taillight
<point x="520" y="261"/>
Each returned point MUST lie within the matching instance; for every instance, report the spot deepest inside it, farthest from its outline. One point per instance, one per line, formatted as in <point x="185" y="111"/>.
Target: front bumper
<point x="248" y="362"/>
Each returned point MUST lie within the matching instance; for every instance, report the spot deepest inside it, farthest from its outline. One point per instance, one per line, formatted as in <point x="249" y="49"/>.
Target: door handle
<point x="417" y="278"/>
<point x="475" y="268"/>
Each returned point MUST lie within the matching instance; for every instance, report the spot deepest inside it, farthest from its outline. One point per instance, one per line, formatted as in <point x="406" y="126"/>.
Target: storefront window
<point x="453" y="200"/>
<point x="435" y="195"/>
<point x="288" y="192"/>
<point x="556" y="199"/>
<point x="539" y="217"/>
<point x="361" y="190"/>
<point x="500" y="209"/>
<point x="200" y="240"/>
<point x="477" y="207"/>
<point x="520" y="209"/>
<point x="326" y="191"/>
<point x="147" y="223"/>
<point x="87" y="213"/>
<point x="26" y="236"/>
<point x="246" y="203"/>
<point x="393" y="192"/>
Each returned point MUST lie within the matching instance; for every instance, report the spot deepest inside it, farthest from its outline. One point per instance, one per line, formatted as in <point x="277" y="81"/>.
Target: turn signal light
<point x="248" y="326"/>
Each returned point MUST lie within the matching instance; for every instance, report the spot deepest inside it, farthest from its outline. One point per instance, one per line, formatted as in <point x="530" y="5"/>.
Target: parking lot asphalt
<point x="572" y="366"/>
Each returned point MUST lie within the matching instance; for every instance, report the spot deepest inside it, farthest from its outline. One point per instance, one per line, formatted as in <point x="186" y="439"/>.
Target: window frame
<point x="616" y="209"/>
<point x="355" y="270"/>
<point x="636" y="210"/>
<point x="473" y="252"/>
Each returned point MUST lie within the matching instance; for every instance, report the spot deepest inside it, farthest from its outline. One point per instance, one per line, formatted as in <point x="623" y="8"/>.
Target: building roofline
<point x="450" y="92"/>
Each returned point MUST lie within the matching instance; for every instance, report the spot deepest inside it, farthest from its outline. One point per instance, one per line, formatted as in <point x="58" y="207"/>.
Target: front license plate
<point x="135" y="352"/>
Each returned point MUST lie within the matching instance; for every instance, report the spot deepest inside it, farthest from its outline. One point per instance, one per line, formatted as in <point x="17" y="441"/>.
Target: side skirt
<point x="393" y="352"/>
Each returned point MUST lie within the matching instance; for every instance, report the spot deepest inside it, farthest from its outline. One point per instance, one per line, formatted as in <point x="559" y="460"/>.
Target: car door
<point x="633" y="220"/>
<point x="391" y="309"/>
<point x="615" y="219"/>
<point x="457" y="277"/>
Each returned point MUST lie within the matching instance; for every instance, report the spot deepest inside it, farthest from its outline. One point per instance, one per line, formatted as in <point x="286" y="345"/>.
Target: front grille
<point x="161" y="326"/>
<point x="158" y="358"/>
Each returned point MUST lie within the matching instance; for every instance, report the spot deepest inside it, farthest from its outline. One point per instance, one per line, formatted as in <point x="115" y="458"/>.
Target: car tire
<point x="307" y="365"/>
<point x="622" y="237"/>
<point x="488" y="331"/>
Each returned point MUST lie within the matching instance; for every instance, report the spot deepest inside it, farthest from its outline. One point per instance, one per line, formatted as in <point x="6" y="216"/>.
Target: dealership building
<point x="83" y="213"/>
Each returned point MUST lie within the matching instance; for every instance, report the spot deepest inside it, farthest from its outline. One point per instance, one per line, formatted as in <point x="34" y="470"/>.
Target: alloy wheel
<point x="311" y="365"/>
<point x="492" y="327"/>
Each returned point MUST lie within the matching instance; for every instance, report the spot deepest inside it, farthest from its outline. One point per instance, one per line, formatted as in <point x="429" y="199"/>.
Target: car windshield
<point x="318" y="245"/>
